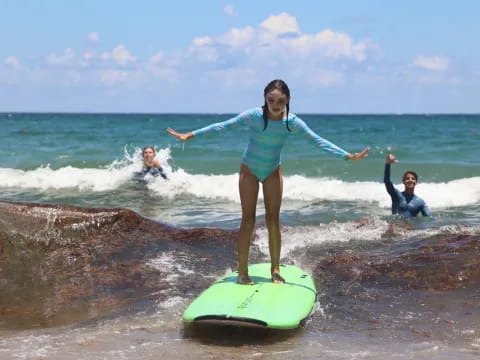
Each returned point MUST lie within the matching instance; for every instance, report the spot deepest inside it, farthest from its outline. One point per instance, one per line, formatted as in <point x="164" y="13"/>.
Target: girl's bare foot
<point x="277" y="279"/>
<point x="244" y="279"/>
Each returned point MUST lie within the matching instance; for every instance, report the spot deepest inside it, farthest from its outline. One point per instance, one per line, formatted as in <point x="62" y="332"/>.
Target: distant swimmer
<point x="405" y="203"/>
<point x="150" y="164"/>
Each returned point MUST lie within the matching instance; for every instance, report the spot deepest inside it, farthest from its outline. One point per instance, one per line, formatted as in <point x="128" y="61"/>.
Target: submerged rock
<point x="437" y="263"/>
<point x="60" y="264"/>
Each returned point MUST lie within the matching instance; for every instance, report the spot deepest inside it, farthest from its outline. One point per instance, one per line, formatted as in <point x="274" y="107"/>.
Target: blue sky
<point x="357" y="56"/>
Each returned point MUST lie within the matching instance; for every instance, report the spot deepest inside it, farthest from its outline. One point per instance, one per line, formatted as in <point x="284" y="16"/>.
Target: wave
<point x="371" y="229"/>
<point x="111" y="177"/>
<point x="456" y="193"/>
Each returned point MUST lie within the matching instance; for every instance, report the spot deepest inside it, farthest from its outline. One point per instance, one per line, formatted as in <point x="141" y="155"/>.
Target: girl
<point x="269" y="127"/>
<point x="150" y="164"/>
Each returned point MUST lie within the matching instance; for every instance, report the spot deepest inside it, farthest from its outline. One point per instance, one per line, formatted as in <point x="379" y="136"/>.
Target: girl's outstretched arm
<point x="214" y="128"/>
<point x="360" y="155"/>
<point x="300" y="125"/>
<point x="180" y="136"/>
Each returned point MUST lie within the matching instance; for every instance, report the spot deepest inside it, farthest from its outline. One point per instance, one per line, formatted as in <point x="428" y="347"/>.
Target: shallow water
<point x="409" y="293"/>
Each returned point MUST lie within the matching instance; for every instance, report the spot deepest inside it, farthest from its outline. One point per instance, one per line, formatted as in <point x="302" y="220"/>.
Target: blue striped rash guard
<point x="263" y="152"/>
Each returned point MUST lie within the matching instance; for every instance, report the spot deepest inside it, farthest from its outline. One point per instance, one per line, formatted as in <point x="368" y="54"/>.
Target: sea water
<point x="330" y="208"/>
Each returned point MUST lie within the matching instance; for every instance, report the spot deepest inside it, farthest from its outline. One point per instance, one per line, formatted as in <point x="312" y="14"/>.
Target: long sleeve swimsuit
<point x="263" y="153"/>
<point x="407" y="205"/>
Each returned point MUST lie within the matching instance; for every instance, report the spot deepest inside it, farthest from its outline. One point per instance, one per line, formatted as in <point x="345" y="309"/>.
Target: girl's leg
<point x="248" y="186"/>
<point x="272" y="194"/>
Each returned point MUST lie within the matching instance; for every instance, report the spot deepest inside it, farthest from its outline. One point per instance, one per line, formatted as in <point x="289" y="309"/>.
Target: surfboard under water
<point x="264" y="304"/>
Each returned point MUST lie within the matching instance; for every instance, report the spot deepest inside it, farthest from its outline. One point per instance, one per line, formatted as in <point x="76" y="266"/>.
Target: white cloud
<point x="436" y="79"/>
<point x="202" y="41"/>
<point x="89" y="55"/>
<point x="67" y="58"/>
<point x="157" y="58"/>
<point x="94" y="37"/>
<point x="12" y="61"/>
<point x="434" y="63"/>
<point x="120" y="55"/>
<point x="238" y="38"/>
<point x="113" y="76"/>
<point x="325" y="78"/>
<point x="229" y="78"/>
<point x="281" y="35"/>
<point x="330" y="44"/>
<point x="275" y="45"/>
<point x="229" y="10"/>
<point x="164" y="73"/>
<point x="203" y="49"/>
<point x="278" y="46"/>
<point x="280" y="24"/>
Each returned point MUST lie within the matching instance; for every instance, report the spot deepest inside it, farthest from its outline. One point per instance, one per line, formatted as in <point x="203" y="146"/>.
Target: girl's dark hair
<point x="410" y="172"/>
<point x="281" y="86"/>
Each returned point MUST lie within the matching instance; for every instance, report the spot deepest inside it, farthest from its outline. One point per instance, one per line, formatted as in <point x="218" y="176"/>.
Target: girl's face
<point x="409" y="181"/>
<point x="148" y="154"/>
<point x="276" y="102"/>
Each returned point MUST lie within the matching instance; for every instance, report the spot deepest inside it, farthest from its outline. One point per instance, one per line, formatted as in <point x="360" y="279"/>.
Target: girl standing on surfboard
<point x="269" y="127"/>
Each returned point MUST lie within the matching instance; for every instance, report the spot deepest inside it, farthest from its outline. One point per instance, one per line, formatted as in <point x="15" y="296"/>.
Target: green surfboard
<point x="264" y="304"/>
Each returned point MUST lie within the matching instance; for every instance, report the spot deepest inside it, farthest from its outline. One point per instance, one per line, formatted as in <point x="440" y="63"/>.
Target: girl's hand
<point x="359" y="156"/>
<point x="179" y="136"/>
<point x="391" y="159"/>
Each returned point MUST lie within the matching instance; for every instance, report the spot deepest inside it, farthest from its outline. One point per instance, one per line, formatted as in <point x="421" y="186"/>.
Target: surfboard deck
<point x="264" y="304"/>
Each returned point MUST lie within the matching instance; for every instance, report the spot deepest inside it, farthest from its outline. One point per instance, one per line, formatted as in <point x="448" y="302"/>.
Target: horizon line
<point x="229" y="113"/>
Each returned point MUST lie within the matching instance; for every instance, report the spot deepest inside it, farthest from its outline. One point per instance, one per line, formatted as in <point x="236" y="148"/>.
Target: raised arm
<point x="386" y="176"/>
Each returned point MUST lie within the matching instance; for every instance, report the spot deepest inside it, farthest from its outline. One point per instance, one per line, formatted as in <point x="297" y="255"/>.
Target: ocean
<point x="98" y="263"/>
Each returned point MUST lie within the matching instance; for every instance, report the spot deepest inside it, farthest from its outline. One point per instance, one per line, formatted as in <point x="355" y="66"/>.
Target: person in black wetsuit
<point x="405" y="203"/>
<point x="150" y="164"/>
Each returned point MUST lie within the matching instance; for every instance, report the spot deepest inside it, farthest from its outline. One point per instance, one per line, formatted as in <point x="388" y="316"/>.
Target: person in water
<point x="405" y="203"/>
<point x="150" y="164"/>
<point x="269" y="127"/>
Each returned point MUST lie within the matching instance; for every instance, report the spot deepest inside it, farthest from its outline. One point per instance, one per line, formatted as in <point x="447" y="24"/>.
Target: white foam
<point x="67" y="177"/>
<point x="33" y="347"/>
<point x="87" y="179"/>
<point x="367" y="229"/>
<point x="174" y="265"/>
<point x="205" y="186"/>
<point x="455" y="193"/>
<point x="313" y="189"/>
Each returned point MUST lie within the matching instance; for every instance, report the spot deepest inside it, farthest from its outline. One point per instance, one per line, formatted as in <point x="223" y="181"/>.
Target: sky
<point x="212" y="56"/>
